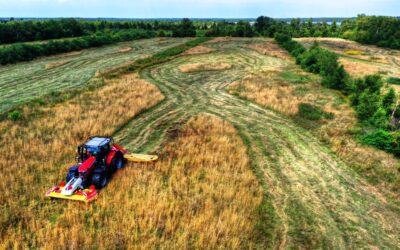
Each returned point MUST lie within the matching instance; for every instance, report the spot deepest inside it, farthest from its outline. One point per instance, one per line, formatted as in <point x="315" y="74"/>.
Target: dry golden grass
<point x="35" y="153"/>
<point x="359" y="69"/>
<point x="271" y="49"/>
<point x="197" y="67"/>
<point x="55" y="64"/>
<point x="220" y="40"/>
<point x="124" y="49"/>
<point x="198" y="50"/>
<point x="268" y="89"/>
<point x="201" y="194"/>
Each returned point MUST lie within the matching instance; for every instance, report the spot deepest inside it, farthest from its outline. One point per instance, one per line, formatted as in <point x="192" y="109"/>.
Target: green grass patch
<point x="292" y="77"/>
<point x="311" y="112"/>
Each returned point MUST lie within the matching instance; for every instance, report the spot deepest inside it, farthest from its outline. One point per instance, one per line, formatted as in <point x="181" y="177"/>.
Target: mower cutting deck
<point x="98" y="159"/>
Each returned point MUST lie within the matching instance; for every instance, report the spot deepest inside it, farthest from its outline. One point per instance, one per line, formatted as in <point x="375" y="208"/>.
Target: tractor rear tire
<point x="99" y="180"/>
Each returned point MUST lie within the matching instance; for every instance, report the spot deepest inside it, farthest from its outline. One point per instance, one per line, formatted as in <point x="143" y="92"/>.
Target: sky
<point x="197" y="8"/>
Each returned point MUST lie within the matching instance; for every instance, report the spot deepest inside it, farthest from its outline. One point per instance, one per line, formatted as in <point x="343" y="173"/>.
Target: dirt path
<point x="317" y="200"/>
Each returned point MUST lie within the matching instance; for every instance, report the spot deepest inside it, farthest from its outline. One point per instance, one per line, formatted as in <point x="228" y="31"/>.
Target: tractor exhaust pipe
<point x="71" y="186"/>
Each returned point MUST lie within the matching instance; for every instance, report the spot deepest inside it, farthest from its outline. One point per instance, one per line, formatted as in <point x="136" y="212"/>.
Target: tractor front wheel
<point x="117" y="162"/>
<point x="99" y="180"/>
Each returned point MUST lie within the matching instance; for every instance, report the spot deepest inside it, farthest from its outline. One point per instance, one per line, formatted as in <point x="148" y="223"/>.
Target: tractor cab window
<point x="92" y="150"/>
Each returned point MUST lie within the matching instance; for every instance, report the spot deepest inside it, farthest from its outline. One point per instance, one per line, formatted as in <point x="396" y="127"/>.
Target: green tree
<point x="388" y="100"/>
<point x="265" y="26"/>
<point x="368" y="105"/>
<point x="185" y="29"/>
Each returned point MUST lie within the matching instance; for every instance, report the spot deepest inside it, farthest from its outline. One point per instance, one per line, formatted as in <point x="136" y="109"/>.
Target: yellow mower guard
<point x="140" y="157"/>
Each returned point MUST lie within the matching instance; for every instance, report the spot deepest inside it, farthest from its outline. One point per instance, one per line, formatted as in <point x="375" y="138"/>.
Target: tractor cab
<point x="95" y="146"/>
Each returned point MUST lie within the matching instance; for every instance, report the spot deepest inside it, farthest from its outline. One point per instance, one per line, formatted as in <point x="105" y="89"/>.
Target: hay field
<point x="23" y="82"/>
<point x="232" y="173"/>
<point x="311" y="198"/>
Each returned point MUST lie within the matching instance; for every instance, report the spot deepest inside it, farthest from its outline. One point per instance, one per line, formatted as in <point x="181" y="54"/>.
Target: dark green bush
<point x="379" y="138"/>
<point x="282" y="38"/>
<point x="312" y="112"/>
<point x="394" y="80"/>
<point x="368" y="104"/>
<point x="389" y="100"/>
<point x="15" y="115"/>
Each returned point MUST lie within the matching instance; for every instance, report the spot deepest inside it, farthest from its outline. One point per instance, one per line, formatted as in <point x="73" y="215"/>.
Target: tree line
<point x="19" y="52"/>
<point x="376" y="108"/>
<point x="379" y="30"/>
<point x="26" y="31"/>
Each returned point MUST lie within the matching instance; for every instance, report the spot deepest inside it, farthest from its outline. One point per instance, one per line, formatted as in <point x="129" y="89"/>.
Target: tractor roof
<point x="97" y="141"/>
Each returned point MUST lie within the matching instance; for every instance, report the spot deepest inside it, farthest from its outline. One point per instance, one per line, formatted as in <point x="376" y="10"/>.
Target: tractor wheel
<point x="70" y="175"/>
<point x="117" y="162"/>
<point x="99" y="180"/>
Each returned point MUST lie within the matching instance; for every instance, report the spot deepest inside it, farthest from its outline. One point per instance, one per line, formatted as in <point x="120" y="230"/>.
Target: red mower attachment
<point x="98" y="159"/>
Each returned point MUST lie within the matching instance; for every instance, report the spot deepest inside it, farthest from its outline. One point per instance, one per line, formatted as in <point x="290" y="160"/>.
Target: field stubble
<point x="35" y="155"/>
<point x="201" y="193"/>
<point x="311" y="198"/>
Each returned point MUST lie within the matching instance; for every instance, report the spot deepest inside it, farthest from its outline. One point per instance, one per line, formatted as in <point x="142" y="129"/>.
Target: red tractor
<point x="98" y="159"/>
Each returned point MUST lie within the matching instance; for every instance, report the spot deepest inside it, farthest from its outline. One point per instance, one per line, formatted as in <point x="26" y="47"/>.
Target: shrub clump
<point x="312" y="112"/>
<point x="379" y="138"/>
<point x="15" y="115"/>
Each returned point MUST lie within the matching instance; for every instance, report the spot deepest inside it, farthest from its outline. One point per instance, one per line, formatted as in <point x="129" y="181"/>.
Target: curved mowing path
<point x="22" y="82"/>
<point x="317" y="201"/>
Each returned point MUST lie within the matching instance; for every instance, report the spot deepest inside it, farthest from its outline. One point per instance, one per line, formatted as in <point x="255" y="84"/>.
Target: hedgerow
<point x="375" y="110"/>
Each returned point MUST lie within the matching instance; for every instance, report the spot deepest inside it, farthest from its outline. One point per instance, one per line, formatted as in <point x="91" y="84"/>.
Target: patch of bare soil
<point x="199" y="50"/>
<point x="197" y="67"/>
<point x="220" y="40"/>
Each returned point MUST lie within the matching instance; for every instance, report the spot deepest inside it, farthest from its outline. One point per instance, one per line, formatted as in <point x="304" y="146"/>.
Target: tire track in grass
<point x="313" y="200"/>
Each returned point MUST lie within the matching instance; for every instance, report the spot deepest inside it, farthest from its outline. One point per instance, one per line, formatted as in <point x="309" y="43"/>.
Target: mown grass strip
<point x="97" y="82"/>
